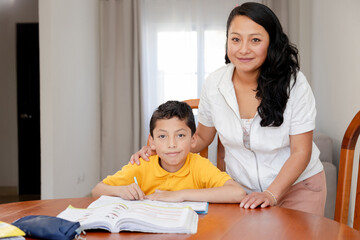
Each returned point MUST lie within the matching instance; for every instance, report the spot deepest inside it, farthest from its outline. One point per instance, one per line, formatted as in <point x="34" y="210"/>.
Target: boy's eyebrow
<point x="161" y="130"/>
<point x="181" y="129"/>
<point x="178" y="130"/>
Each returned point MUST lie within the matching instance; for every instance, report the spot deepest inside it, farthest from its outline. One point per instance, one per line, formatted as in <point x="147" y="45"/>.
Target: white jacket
<point x="255" y="169"/>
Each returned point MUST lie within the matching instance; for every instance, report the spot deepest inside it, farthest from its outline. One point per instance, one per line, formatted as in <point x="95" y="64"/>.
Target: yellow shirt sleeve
<point x="207" y="175"/>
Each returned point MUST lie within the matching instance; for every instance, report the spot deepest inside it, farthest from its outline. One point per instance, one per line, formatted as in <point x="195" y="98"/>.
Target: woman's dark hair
<point x="172" y="109"/>
<point x="280" y="64"/>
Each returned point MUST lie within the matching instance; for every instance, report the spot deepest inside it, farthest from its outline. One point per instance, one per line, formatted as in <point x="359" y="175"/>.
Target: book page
<point x="145" y="217"/>
<point x="199" y="207"/>
<point x="104" y="218"/>
<point x="142" y="217"/>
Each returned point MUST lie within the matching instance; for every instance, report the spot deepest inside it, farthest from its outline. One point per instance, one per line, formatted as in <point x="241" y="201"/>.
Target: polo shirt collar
<point x="183" y="171"/>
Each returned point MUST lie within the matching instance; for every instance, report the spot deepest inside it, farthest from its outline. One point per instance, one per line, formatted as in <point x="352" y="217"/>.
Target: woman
<point x="264" y="112"/>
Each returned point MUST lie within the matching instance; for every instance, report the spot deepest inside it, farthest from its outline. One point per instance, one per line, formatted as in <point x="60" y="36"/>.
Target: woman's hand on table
<point x="255" y="199"/>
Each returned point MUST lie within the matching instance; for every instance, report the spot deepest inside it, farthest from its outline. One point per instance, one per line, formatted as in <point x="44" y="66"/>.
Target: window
<point x="177" y="65"/>
<point x="185" y="59"/>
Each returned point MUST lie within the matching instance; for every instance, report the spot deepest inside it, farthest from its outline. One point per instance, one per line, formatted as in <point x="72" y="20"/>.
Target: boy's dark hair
<point x="280" y="65"/>
<point x="172" y="109"/>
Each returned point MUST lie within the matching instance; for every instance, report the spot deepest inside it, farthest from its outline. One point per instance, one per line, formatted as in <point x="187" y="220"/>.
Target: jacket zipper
<point x="257" y="170"/>
<point x="256" y="160"/>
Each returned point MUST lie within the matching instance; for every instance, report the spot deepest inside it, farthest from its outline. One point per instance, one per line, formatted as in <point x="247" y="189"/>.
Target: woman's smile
<point x="245" y="60"/>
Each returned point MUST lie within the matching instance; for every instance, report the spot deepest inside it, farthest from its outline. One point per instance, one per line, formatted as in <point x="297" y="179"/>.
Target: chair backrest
<point x="194" y="104"/>
<point x="345" y="175"/>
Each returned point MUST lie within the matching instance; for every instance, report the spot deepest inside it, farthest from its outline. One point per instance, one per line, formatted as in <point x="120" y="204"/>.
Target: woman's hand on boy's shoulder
<point x="143" y="153"/>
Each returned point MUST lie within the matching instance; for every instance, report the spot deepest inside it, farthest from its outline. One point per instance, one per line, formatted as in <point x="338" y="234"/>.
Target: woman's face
<point x="247" y="44"/>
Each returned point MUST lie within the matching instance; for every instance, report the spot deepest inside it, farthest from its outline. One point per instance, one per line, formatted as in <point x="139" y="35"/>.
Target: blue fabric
<point x="47" y="227"/>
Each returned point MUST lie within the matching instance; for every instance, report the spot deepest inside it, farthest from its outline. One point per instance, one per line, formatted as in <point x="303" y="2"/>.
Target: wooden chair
<point x="194" y="104"/>
<point x="345" y="174"/>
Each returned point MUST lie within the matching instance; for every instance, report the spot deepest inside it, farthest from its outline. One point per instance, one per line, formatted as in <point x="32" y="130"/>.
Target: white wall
<point x="70" y="97"/>
<point x="336" y="66"/>
<point x="11" y="12"/>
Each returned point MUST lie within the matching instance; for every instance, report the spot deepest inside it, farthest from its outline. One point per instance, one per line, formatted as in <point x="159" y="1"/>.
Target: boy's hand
<point x="256" y="199"/>
<point x="166" y="196"/>
<point x="131" y="192"/>
<point x="143" y="153"/>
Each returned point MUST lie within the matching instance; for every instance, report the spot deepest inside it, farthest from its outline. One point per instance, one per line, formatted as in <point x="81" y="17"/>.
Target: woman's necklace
<point x="245" y="123"/>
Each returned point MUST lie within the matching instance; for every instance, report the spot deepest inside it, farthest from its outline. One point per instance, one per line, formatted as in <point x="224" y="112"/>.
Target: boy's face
<point x="172" y="142"/>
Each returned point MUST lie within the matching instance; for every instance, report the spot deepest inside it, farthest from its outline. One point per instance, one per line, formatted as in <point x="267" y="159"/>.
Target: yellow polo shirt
<point x="196" y="173"/>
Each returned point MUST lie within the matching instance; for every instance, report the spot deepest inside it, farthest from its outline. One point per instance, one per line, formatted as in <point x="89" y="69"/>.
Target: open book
<point x="138" y="216"/>
<point x="198" y="207"/>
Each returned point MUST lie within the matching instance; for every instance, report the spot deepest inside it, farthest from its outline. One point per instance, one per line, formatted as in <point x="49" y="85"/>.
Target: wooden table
<point x="223" y="221"/>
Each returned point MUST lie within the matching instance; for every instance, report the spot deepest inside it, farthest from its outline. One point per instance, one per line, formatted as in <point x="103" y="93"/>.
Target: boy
<point x="174" y="174"/>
